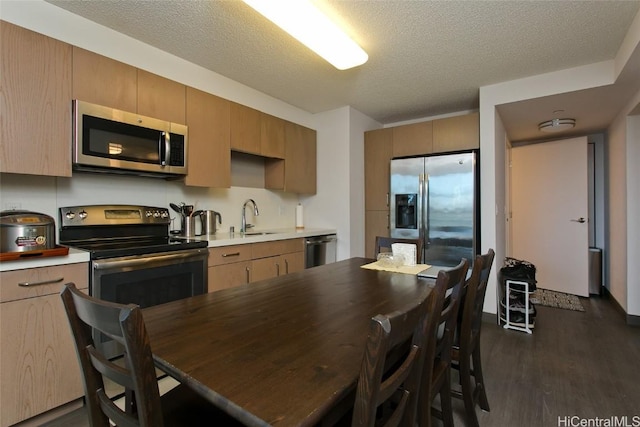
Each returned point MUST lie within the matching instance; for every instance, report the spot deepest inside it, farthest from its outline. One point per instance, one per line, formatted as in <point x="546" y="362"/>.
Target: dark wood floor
<point x="583" y="364"/>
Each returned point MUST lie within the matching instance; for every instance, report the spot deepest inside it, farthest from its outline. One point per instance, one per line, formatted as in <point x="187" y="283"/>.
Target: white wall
<point x="330" y="207"/>
<point x="340" y="199"/>
<point x="359" y="123"/>
<point x="493" y="146"/>
<point x="633" y="214"/>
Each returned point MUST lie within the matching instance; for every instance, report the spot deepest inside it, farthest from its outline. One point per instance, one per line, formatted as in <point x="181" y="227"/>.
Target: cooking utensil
<point x="175" y="208"/>
<point x="187" y="210"/>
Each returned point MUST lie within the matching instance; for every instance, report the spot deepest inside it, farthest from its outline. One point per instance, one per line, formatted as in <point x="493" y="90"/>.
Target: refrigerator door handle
<point x="425" y="211"/>
<point x="421" y="211"/>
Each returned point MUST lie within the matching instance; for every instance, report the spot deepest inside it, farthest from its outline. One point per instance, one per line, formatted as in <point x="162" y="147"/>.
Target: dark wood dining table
<point x="283" y="351"/>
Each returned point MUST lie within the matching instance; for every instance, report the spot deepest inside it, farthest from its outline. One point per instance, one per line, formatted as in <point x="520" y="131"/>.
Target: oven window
<point x="152" y="286"/>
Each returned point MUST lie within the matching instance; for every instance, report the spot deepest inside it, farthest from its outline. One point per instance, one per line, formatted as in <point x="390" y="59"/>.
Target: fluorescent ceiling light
<point x="302" y="20"/>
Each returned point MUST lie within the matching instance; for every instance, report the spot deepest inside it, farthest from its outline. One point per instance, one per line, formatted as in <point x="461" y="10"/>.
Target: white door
<point x="549" y="202"/>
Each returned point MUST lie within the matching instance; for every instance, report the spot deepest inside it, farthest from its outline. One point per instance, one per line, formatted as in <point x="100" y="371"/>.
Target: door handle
<point x="580" y="220"/>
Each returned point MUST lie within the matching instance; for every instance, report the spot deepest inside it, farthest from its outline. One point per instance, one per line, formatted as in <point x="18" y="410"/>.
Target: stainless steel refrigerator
<point x="435" y="198"/>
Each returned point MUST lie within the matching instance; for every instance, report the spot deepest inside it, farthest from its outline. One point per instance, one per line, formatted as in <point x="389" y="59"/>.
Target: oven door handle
<point x="137" y="262"/>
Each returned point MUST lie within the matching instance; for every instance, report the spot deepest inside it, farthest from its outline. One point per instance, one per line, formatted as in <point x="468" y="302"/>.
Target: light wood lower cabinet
<point x="39" y="368"/>
<point x="267" y="268"/>
<point x="231" y="266"/>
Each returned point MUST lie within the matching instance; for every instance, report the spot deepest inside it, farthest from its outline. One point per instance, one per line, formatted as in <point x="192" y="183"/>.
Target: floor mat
<point x="556" y="299"/>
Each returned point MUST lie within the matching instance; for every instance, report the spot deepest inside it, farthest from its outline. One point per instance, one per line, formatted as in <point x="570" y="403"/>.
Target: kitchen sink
<point x="259" y="233"/>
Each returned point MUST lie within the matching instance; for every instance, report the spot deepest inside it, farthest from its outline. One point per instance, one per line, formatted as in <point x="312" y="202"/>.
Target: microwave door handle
<point x="165" y="148"/>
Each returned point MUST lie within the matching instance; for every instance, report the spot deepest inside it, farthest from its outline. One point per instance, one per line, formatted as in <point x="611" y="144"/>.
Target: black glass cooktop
<point x="143" y="246"/>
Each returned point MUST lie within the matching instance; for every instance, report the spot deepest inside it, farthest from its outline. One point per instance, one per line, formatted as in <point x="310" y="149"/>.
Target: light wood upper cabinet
<point x="272" y="136"/>
<point x="161" y="98"/>
<point x="258" y="133"/>
<point x="413" y="140"/>
<point x="297" y="172"/>
<point x="301" y="170"/>
<point x="35" y="95"/>
<point x="39" y="369"/>
<point x="378" y="150"/>
<point x="209" y="155"/>
<point x="245" y="129"/>
<point x="104" y="81"/>
<point x="456" y="133"/>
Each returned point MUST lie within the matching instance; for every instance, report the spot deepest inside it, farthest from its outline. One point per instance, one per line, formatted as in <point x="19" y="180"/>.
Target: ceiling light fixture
<point x="302" y="20"/>
<point x="557" y="125"/>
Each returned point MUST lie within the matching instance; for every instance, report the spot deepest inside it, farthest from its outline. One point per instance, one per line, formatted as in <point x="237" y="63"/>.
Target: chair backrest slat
<point x="386" y="242"/>
<point x="378" y="382"/>
<point x="473" y="299"/>
<point x="125" y="324"/>
<point x="114" y="372"/>
<point x="440" y="332"/>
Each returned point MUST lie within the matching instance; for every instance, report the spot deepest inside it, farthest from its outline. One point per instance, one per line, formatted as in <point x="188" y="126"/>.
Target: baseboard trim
<point x="630" y="319"/>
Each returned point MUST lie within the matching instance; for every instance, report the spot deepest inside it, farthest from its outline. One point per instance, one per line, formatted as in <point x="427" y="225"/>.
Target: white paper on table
<point x="407" y="250"/>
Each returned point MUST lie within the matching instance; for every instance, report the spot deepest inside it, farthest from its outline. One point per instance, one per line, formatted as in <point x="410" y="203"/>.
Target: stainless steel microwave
<point x="110" y="140"/>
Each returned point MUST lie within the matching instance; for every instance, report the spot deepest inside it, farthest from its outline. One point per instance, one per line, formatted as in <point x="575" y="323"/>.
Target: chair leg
<point x="424" y="412"/>
<point x="445" y="400"/>
<point x="479" y="379"/>
<point x="471" y="419"/>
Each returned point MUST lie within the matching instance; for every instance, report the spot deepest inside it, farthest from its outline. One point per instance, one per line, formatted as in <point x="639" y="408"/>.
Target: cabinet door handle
<point x="286" y="266"/>
<point x="277" y="269"/>
<point x="44" y="282"/>
<point x="231" y="254"/>
<point x="247" y="270"/>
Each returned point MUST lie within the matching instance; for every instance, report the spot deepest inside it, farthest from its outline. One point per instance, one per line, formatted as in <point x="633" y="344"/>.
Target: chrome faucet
<point x="244" y="226"/>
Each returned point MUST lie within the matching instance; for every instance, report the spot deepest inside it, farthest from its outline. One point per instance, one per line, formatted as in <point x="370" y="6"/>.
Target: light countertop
<point x="226" y="239"/>
<point x="74" y="256"/>
<point x="219" y="239"/>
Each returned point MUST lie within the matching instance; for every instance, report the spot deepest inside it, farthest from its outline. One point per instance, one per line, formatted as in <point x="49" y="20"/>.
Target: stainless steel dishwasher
<point x="320" y="250"/>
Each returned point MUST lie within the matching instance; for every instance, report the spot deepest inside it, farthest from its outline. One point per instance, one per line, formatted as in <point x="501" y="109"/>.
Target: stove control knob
<point x="148" y="214"/>
<point x="70" y="215"/>
<point x="82" y="214"/>
<point x="156" y="214"/>
<point x="164" y="214"/>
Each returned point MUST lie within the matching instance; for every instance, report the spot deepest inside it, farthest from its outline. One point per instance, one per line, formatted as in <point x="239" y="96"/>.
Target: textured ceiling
<point x="425" y="57"/>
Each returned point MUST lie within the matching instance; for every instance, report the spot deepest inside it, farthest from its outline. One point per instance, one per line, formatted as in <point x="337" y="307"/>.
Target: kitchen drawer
<point x="229" y="254"/>
<point x="277" y="247"/>
<point x="52" y="279"/>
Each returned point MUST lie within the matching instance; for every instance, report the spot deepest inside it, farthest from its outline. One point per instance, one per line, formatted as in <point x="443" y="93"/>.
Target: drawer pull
<point x="44" y="282"/>
<point x="231" y="254"/>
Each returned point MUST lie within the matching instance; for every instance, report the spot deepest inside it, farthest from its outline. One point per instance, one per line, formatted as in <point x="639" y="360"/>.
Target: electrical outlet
<point x="11" y="205"/>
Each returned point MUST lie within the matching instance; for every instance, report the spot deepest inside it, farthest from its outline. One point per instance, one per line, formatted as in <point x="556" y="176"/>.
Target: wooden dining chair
<point x="436" y="373"/>
<point x="465" y="356"/>
<point x="386" y="242"/>
<point x="388" y="376"/>
<point x="124" y="323"/>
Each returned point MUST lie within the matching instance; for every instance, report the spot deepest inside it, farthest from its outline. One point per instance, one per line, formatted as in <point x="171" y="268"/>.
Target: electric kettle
<point x="209" y="221"/>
